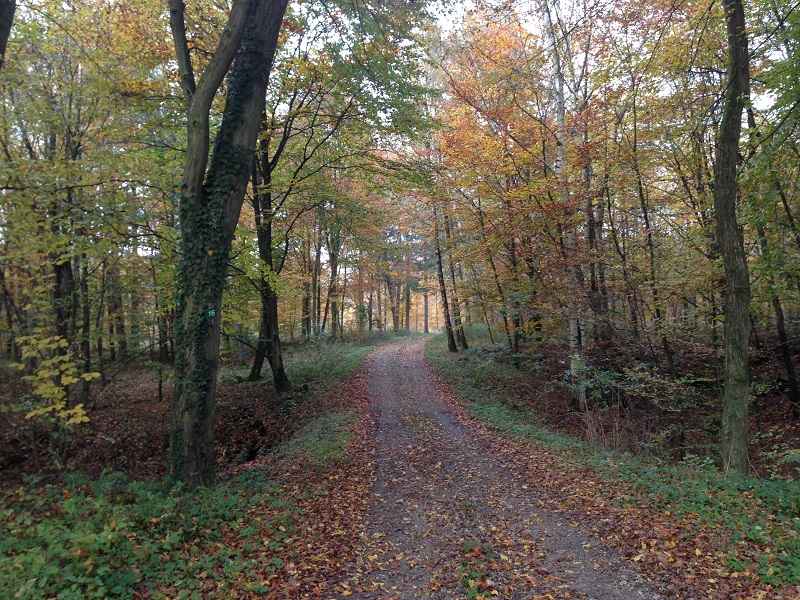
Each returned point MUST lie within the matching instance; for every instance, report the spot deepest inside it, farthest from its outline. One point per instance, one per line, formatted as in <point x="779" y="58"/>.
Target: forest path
<point x="451" y="520"/>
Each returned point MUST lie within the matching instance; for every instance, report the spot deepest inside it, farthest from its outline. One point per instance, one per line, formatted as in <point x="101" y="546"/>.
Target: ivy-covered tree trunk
<point x="731" y="243"/>
<point x="213" y="189"/>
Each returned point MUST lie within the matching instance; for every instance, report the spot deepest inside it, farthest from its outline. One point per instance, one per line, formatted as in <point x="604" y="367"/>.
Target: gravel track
<point x="451" y="519"/>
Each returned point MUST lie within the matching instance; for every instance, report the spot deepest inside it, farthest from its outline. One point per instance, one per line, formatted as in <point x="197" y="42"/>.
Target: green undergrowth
<point x="110" y="537"/>
<point x="764" y="512"/>
<point x="115" y="538"/>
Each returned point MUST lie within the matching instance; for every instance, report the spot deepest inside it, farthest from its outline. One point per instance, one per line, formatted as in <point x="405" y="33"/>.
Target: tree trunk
<point x="212" y="193"/>
<point x="408" y="307"/>
<point x="7" y="9"/>
<point x="86" y="321"/>
<point x="451" y="340"/>
<point x="369" y="308"/>
<point x="269" y="343"/>
<point x="391" y="288"/>
<point x="316" y="294"/>
<point x="736" y="306"/>
<point x="458" y="326"/>
<point x="334" y="245"/>
<point x="269" y="339"/>
<point x="783" y="338"/>
<point x="568" y="234"/>
<point x="425" y="318"/>
<point x="381" y="324"/>
<point x="307" y="288"/>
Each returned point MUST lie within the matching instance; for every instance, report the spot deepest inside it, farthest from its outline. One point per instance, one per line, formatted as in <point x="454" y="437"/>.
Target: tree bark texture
<point x="212" y="194"/>
<point x="736" y="374"/>
<point x="7" y="10"/>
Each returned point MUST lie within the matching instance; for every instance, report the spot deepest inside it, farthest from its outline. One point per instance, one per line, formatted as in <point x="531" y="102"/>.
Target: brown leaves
<point x="687" y="557"/>
<point x="328" y="506"/>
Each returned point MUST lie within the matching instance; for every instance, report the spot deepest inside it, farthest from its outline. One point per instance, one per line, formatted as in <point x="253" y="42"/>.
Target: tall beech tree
<point x="212" y="192"/>
<point x="736" y="394"/>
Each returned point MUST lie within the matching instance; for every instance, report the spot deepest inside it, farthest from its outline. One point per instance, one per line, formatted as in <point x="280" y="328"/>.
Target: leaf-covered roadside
<point x="689" y="528"/>
<point x="276" y="527"/>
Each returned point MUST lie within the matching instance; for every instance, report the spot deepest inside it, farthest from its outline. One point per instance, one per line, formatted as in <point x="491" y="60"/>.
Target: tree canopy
<point x="187" y="183"/>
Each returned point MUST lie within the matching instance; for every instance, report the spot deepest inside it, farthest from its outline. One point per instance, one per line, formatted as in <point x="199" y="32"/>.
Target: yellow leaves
<point x="53" y="371"/>
<point x="68" y="380"/>
<point x="76" y="416"/>
<point x="38" y="412"/>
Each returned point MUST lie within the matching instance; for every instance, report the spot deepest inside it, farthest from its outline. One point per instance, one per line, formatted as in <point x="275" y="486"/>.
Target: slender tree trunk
<point x="736" y="376"/>
<point x="408" y="306"/>
<point x="98" y="321"/>
<point x="458" y="326"/>
<point x="162" y="346"/>
<point x="269" y="339"/>
<point x="651" y="249"/>
<point x="577" y="362"/>
<point x="369" y="307"/>
<point x="342" y="306"/>
<point x="425" y="319"/>
<point x="269" y="345"/>
<point x="307" y="288"/>
<point x="451" y="340"/>
<point x="116" y="326"/>
<point x="316" y="288"/>
<point x="86" y="321"/>
<point x="381" y="325"/>
<point x="783" y="338"/>
<point x="334" y="244"/>
<point x="390" y="289"/>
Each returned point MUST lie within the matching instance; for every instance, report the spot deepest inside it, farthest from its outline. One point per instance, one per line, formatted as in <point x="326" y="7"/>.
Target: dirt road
<point x="453" y="520"/>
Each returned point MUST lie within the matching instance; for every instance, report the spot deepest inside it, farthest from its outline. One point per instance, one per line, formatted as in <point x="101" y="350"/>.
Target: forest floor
<point x="399" y="479"/>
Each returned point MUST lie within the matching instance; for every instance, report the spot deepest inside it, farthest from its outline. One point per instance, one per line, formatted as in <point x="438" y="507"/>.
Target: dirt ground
<point x="451" y="519"/>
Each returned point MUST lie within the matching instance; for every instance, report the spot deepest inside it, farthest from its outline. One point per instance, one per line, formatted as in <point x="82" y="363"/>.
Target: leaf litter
<point x="427" y="503"/>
